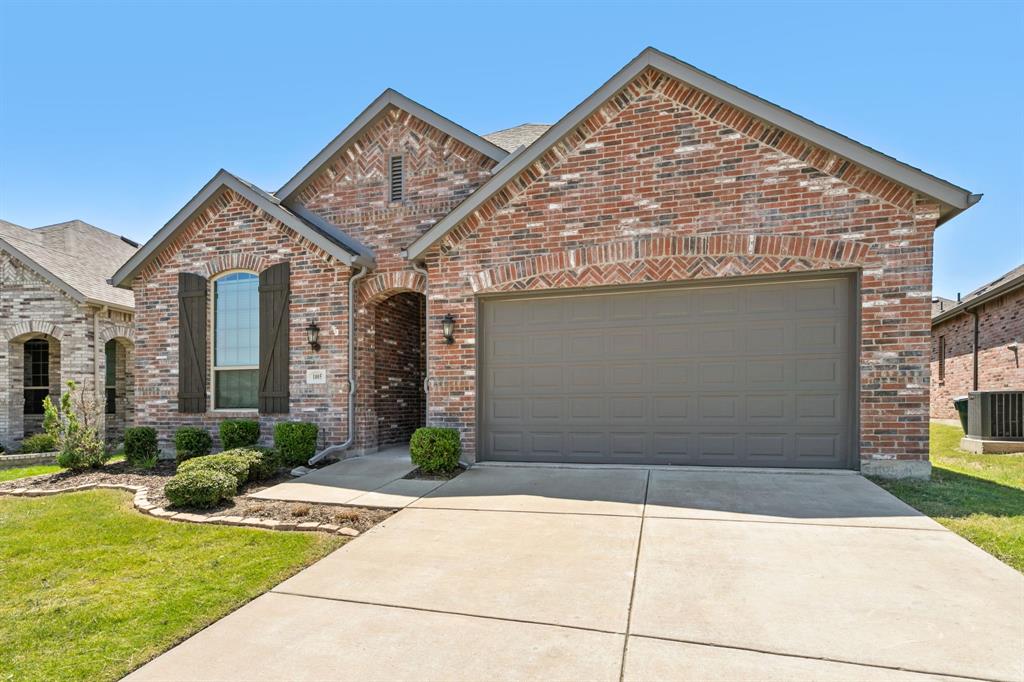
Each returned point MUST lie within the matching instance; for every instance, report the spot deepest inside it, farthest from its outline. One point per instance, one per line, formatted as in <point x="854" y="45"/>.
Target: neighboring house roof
<point x="953" y="199"/>
<point x="941" y="305"/>
<point x="1011" y="281"/>
<point x="388" y="98"/>
<point x="328" y="237"/>
<point x="512" y="139"/>
<point x="74" y="256"/>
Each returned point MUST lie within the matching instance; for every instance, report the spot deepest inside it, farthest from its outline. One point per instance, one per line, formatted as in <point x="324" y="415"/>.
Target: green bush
<point x="435" y="449"/>
<point x="40" y="442"/>
<point x="191" y="441"/>
<point x="202" y="488"/>
<point x="296" y="441"/>
<point x="239" y="433"/>
<point x="230" y="464"/>
<point x="263" y="462"/>
<point x="140" y="447"/>
<point x="74" y="429"/>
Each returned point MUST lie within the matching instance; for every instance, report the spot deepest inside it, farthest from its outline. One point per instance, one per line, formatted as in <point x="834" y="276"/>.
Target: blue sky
<point x="117" y="113"/>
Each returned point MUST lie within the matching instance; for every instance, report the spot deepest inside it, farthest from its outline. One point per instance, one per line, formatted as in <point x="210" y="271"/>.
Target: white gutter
<point x="330" y="450"/>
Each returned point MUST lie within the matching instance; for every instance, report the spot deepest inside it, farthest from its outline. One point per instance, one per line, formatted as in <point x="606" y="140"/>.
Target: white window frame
<point x="213" y="346"/>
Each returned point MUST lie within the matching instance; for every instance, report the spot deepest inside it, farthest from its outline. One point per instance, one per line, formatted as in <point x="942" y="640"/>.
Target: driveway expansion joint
<point x="632" y="587"/>
<point x="828" y="659"/>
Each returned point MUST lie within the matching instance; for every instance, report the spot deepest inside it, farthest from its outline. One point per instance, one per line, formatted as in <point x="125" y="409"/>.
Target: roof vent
<point x="396" y="178"/>
<point x="129" y="242"/>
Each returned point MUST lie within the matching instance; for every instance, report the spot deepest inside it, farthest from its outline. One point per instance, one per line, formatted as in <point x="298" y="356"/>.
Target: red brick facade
<point x="661" y="183"/>
<point x="1000" y="324"/>
<point x="665" y="184"/>
<point x="232" y="234"/>
<point x="399" y="368"/>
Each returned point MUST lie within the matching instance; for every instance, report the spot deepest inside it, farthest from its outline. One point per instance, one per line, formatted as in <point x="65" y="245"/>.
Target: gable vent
<point x="396" y="178"/>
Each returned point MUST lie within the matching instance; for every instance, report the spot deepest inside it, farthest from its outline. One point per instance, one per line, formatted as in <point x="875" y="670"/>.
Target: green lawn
<point x="980" y="497"/>
<point x="37" y="469"/>
<point x="22" y="472"/>
<point x="91" y="589"/>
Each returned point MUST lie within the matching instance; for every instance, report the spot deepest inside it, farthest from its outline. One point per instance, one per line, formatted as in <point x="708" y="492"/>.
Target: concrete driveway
<point x="509" y="573"/>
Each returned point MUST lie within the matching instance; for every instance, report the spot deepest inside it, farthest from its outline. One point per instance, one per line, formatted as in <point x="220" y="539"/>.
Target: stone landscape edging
<point x="142" y="504"/>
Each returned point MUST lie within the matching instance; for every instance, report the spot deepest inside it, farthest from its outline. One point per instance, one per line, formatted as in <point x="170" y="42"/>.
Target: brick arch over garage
<point x="660" y="258"/>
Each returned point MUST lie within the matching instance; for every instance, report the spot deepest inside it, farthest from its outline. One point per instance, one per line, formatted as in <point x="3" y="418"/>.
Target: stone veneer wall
<point x="1000" y="323"/>
<point x="31" y="307"/>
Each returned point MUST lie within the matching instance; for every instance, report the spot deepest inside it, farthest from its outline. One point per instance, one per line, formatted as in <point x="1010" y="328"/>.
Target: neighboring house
<point x="676" y="272"/>
<point x="60" y="319"/>
<point x="994" y="314"/>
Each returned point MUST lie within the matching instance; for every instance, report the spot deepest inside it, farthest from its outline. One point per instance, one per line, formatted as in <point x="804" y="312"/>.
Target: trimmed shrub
<point x="140" y="447"/>
<point x="40" y="442"/>
<point x="436" y="450"/>
<point x="263" y="462"/>
<point x="239" y="433"/>
<point x="191" y="441"/>
<point x="201" y="488"/>
<point x="237" y="467"/>
<point x="295" y="441"/>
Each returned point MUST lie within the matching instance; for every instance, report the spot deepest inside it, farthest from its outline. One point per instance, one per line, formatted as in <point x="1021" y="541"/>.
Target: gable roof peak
<point x="390" y="97"/>
<point x="953" y="199"/>
<point x="328" y="237"/>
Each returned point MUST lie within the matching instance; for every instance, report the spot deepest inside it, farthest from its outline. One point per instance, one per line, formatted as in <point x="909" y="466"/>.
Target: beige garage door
<point x="750" y="374"/>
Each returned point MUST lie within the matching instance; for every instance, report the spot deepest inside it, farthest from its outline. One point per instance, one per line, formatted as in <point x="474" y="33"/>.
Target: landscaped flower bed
<point x="148" y="484"/>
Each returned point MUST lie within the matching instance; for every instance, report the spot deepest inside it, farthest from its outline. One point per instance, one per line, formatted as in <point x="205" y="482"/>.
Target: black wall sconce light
<point x="448" y="329"/>
<point x="313" y="335"/>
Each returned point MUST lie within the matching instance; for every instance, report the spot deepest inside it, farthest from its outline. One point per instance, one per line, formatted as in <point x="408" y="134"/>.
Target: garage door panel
<point x="737" y="375"/>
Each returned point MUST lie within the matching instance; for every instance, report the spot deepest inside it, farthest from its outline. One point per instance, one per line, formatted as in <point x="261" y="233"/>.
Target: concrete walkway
<point x="519" y="573"/>
<point x="371" y="481"/>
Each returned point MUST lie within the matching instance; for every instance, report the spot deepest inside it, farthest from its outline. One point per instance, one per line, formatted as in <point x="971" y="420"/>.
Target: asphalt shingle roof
<point x="79" y="254"/>
<point x="1015" y="275"/>
<point x="511" y="139"/>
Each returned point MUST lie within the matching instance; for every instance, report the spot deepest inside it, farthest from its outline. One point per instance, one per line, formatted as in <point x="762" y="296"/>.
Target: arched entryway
<point x="399" y="366"/>
<point x="34" y="372"/>
<point x="118" y="388"/>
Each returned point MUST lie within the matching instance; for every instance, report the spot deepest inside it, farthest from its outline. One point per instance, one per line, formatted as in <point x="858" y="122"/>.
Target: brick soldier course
<point x="663" y="175"/>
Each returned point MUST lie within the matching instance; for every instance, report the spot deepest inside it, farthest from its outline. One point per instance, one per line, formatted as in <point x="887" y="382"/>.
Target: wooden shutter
<point x="273" y="392"/>
<point x="191" y="343"/>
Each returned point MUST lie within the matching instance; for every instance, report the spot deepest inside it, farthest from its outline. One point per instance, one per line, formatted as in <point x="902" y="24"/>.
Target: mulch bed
<point x="421" y="475"/>
<point x="359" y="518"/>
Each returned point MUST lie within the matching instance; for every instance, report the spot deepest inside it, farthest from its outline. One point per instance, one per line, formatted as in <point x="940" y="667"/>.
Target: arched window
<point x="37" y="374"/>
<point x="110" y="383"/>
<point x="236" y="342"/>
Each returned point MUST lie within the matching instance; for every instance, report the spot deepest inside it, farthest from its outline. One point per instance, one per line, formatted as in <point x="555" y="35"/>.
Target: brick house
<point x="60" y="319"/>
<point x="994" y="314"/>
<point x="675" y="272"/>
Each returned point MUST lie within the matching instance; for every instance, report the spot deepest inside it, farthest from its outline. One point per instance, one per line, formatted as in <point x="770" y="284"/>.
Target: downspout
<point x="351" y="372"/>
<point x="426" y="324"/>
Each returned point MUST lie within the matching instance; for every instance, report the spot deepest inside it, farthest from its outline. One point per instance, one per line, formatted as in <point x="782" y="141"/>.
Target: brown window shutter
<point x="273" y="393"/>
<point x="191" y="343"/>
